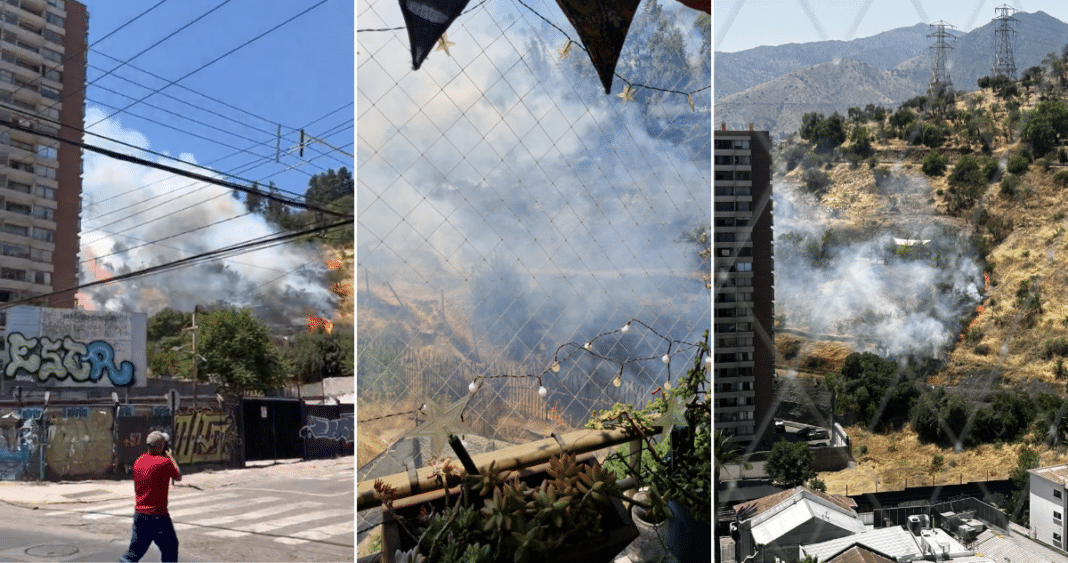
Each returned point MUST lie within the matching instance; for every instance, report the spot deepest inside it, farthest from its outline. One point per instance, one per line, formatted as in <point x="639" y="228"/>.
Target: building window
<point x="50" y="93"/>
<point x="53" y="19"/>
<point x="46" y="172"/>
<point x="1056" y="537"/>
<point x="724" y="206"/>
<point x="24" y="166"/>
<point x="1056" y="494"/>
<point x="46" y="235"/>
<point x="43" y="278"/>
<point x="18" y="208"/>
<point x="53" y="74"/>
<point x="15" y="250"/>
<point x="724" y="145"/>
<point x="52" y="36"/>
<point x="46" y="151"/>
<point x="39" y="255"/>
<point x="46" y="213"/>
<point x="49" y="54"/>
<point x="744" y="267"/>
<point x="45" y="191"/>
<point x="20" y="230"/>
<point x="13" y="274"/>
<point x="724" y="175"/>
<point x="19" y="187"/>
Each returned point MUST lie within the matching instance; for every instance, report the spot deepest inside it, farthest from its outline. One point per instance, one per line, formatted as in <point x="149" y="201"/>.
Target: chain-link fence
<point x="508" y="207"/>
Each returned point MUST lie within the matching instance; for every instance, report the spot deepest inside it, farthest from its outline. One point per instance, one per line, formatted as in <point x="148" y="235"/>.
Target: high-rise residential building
<point x="1048" y="503"/>
<point x="744" y="288"/>
<point x="43" y="46"/>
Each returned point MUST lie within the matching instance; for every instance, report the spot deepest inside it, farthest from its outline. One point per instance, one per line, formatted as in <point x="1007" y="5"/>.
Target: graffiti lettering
<point x="204" y="437"/>
<point x="338" y="429"/>
<point x="43" y="358"/>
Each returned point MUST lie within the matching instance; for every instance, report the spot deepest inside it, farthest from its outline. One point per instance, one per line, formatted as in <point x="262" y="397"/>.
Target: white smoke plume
<point x="845" y="282"/>
<point x="126" y="207"/>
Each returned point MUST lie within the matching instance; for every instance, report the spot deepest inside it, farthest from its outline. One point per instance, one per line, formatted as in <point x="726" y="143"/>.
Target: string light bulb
<point x="472" y="388"/>
<point x="625" y="329"/>
<point x="542" y="391"/>
<point x="666" y="359"/>
<point x="667" y="385"/>
<point x="586" y="346"/>
<point x="617" y="381"/>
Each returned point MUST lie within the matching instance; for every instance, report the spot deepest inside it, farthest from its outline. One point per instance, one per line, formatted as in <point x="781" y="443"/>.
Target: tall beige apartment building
<point x="43" y="53"/>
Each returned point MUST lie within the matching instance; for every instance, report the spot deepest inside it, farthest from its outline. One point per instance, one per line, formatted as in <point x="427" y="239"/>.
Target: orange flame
<point x="315" y="322"/>
<point x="333" y="263"/>
<point x="338" y="289"/>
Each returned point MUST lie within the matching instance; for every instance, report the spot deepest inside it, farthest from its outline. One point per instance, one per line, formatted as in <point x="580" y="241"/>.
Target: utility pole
<point x="1004" y="40"/>
<point x="940" y="80"/>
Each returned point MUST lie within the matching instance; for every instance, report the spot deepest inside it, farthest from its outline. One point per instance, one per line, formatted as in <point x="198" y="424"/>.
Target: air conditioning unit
<point x="967" y="533"/>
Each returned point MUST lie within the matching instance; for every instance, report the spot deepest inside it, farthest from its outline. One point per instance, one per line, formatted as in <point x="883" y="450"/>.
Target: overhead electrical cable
<point x="173" y="170"/>
<point x="215" y="60"/>
<point x="240" y="169"/>
<point x="209" y="256"/>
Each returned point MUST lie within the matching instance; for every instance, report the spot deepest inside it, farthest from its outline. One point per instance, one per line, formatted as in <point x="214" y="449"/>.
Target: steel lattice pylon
<point x="940" y="80"/>
<point x="1004" y="41"/>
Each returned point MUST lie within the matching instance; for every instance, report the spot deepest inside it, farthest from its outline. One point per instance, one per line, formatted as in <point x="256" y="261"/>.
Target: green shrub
<point x="815" y="180"/>
<point x="1009" y="183"/>
<point x="1056" y="347"/>
<point x="811" y="160"/>
<point x="1017" y="164"/>
<point x="1061" y="178"/>
<point x="934" y="164"/>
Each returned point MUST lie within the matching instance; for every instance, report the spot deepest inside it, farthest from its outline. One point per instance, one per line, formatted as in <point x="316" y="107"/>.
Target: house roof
<point x="1056" y="473"/>
<point x="769" y="527"/>
<point x="860" y="554"/>
<point x="752" y="509"/>
<point x="894" y="542"/>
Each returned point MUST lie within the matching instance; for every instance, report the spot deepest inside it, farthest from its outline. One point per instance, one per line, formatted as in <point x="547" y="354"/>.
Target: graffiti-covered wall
<point x="328" y="431"/>
<point x="132" y="427"/>
<point x="74" y="348"/>
<point x="206" y="436"/>
<point x="19" y="439"/>
<point x="79" y="442"/>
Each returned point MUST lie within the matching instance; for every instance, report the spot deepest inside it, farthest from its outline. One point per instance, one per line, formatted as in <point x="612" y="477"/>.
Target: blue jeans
<point x="148" y="529"/>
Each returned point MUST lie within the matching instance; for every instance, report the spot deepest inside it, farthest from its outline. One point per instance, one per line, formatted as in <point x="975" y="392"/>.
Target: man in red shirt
<point x="152" y="474"/>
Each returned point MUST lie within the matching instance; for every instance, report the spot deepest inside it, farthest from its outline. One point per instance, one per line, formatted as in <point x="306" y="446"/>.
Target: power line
<point x="215" y="60"/>
<point x="173" y="170"/>
<point x="244" y="167"/>
<point x="154" y="75"/>
<point x="192" y="260"/>
<point x="157" y="43"/>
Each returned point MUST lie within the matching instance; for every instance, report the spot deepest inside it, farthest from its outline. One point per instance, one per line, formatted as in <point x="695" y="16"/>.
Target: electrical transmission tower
<point x="1004" y="40"/>
<point x="940" y="80"/>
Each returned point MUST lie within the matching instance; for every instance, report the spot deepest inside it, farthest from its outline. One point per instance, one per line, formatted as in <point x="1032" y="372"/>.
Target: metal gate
<point x="272" y="428"/>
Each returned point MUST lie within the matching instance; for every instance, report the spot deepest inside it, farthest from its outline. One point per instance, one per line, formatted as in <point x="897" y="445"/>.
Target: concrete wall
<point x="206" y="435"/>
<point x="80" y="442"/>
<point x="1043" y="504"/>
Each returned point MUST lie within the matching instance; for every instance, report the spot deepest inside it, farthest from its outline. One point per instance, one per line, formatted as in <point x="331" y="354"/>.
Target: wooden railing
<point x="511" y="458"/>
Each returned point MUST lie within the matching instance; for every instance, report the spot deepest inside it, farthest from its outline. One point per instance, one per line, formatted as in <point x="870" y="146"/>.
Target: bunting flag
<point x="426" y="21"/>
<point x="602" y="26"/>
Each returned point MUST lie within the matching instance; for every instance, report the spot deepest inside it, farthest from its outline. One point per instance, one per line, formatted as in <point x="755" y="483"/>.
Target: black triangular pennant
<point x="602" y="26"/>
<point x="426" y="21"/>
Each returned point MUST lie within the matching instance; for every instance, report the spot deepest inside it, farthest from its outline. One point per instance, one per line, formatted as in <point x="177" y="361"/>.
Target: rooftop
<point x="860" y="554"/>
<point x="1056" y="473"/>
<point x="752" y="509"/>
<point x="894" y="542"/>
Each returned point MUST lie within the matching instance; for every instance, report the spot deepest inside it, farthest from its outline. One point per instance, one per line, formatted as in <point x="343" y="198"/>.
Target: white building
<point x="1047" y="504"/>
<point x="779" y="524"/>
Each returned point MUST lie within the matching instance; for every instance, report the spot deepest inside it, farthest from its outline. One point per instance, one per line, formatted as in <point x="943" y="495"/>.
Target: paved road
<point x="282" y="515"/>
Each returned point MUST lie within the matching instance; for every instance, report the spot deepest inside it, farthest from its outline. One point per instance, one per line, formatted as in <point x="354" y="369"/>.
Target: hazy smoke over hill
<point x="546" y="201"/>
<point x="900" y="300"/>
<point x="126" y="207"/>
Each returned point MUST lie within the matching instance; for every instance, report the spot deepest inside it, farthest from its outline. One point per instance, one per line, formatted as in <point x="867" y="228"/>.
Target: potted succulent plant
<point x="678" y="469"/>
<point x="567" y="510"/>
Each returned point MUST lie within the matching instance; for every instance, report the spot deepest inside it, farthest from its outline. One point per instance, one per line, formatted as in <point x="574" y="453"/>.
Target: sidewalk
<point x="35" y="493"/>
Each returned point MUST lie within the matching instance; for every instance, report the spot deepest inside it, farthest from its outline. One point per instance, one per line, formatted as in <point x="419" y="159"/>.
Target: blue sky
<point x="744" y="24"/>
<point x="295" y="75"/>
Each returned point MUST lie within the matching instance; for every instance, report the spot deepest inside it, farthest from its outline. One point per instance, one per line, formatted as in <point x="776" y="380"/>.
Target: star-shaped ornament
<point x="565" y="52"/>
<point x="675" y="415"/>
<point x="442" y="422"/>
<point x="690" y="98"/>
<point x="444" y="44"/>
<point x="627" y="95"/>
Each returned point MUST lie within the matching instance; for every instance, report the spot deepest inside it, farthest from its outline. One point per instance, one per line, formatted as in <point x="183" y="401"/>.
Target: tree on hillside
<point x="254" y="199"/>
<point x="790" y="463"/>
<point x="1046" y="126"/>
<point x="1017" y="506"/>
<point x="166" y="331"/>
<point x="237" y="349"/>
<point x="328" y="186"/>
<point x="313" y="356"/>
<point x="826" y="133"/>
<point x="275" y="211"/>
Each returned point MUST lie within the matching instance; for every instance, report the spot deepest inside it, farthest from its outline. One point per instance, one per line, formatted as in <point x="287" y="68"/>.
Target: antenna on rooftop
<point x="1004" y="41"/>
<point x="940" y="80"/>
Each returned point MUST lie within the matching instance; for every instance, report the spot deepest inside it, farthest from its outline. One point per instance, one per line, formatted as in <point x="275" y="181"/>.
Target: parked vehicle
<point x="812" y="433"/>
